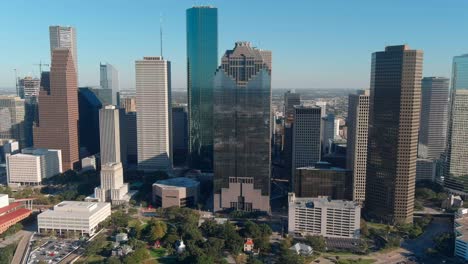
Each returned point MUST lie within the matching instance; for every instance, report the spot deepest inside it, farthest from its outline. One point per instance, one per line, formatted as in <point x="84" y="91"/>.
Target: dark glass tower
<point x="242" y="149"/>
<point x="395" y="93"/>
<point x="88" y="133"/>
<point x="202" y="61"/>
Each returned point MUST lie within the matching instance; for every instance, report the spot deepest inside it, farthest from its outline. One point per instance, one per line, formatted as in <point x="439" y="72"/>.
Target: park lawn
<point x="376" y="226"/>
<point x="356" y="261"/>
<point x="95" y="259"/>
<point x="158" y="253"/>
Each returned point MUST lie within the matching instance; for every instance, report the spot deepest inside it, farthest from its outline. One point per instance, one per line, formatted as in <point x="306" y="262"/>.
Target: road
<point x="22" y="247"/>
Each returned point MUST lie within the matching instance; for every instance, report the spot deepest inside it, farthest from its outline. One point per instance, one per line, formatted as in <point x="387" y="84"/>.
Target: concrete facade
<point x="181" y="192"/>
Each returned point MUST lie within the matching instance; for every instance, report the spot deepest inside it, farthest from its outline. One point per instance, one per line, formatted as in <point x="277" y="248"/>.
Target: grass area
<point x="157" y="253"/>
<point x="94" y="259"/>
<point x="376" y="225"/>
<point x="356" y="261"/>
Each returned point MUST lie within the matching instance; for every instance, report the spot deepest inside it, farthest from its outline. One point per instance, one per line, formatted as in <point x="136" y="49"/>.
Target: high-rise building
<point x="58" y="110"/>
<point x="291" y="99"/>
<point x="394" y="106"/>
<point x="110" y="80"/>
<point x="202" y="61"/>
<point x="29" y="87"/>
<point x="153" y="88"/>
<point x="88" y="133"/>
<point x="328" y="132"/>
<point x="131" y="137"/>
<point x="434" y="114"/>
<point x="356" y="149"/>
<point x="179" y="134"/>
<point x="242" y="149"/>
<point x="64" y="37"/>
<point x="112" y="188"/>
<point x="128" y="103"/>
<point x="456" y="164"/>
<point x="110" y="135"/>
<point x="323" y="179"/>
<point x="306" y="137"/>
<point x="12" y="112"/>
<point x="322" y="105"/>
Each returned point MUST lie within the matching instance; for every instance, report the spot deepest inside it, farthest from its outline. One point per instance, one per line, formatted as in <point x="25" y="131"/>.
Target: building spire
<point x="161" y="35"/>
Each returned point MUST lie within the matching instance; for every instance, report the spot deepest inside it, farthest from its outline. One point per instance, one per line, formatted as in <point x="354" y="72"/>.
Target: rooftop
<point x="322" y="165"/>
<point x="75" y="209"/>
<point x="177" y="182"/>
<point x="322" y="201"/>
<point x="15" y="214"/>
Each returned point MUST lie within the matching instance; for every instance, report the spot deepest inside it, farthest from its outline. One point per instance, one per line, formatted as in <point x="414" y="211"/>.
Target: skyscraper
<point x="456" y="164"/>
<point x="356" y="150"/>
<point x="58" y="110"/>
<point x="29" y="88"/>
<point x="306" y="137"/>
<point x="242" y="149"/>
<point x="179" y="133"/>
<point x="394" y="106"/>
<point x="12" y="123"/>
<point x="202" y="61"/>
<point x="88" y="133"/>
<point x="110" y="80"/>
<point x="153" y="88"/>
<point x="328" y="132"/>
<point x="290" y="100"/>
<point x="434" y="114"/>
<point x="109" y="134"/>
<point x="64" y="37"/>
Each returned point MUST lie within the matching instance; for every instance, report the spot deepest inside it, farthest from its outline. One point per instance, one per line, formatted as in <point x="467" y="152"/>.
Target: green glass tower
<point x="202" y="60"/>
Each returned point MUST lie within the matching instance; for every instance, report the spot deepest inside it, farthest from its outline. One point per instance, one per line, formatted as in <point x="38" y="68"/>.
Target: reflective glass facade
<point x="202" y="60"/>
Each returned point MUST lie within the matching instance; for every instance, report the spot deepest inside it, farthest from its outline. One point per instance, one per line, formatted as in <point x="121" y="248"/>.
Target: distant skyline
<point x="315" y="44"/>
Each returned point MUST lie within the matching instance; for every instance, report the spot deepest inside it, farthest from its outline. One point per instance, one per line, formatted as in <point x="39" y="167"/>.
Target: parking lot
<point x="53" y="251"/>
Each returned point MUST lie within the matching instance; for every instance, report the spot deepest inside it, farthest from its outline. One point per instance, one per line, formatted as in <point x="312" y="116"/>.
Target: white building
<point x="112" y="188"/>
<point x="33" y="165"/>
<point x="153" y="88"/>
<point x="4" y="201"/>
<point x="63" y="37"/>
<point x="83" y="217"/>
<point x="110" y="80"/>
<point x="322" y="216"/>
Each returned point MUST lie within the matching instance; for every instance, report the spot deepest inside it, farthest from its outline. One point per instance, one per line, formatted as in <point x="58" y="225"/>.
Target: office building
<point x="12" y="112"/>
<point x="77" y="216"/>
<point x="322" y="105"/>
<point x="131" y="137"/>
<point x="322" y="216"/>
<point x="288" y="147"/>
<point x="8" y="147"/>
<point x="323" y="180"/>
<point x="58" y="110"/>
<point x="88" y="164"/>
<point x="306" y="137"/>
<point x="242" y="142"/>
<point x="434" y="115"/>
<point x="11" y="213"/>
<point x="153" y="88"/>
<point x="110" y="80"/>
<point x="112" y="188"/>
<point x="291" y="99"/>
<point x="180" y="192"/>
<point x="456" y="163"/>
<point x="461" y="234"/>
<point x="328" y="132"/>
<point x="109" y="135"/>
<point x="88" y="133"/>
<point x="28" y="88"/>
<point x="179" y="134"/>
<point x="394" y="108"/>
<point x="425" y="169"/>
<point x="202" y="61"/>
<point x="33" y="165"/>
<point x="64" y="37"/>
<point x="356" y="149"/>
<point x="128" y="103"/>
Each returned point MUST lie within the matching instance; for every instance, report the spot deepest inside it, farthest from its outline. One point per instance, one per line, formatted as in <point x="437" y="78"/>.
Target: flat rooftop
<point x="177" y="182"/>
<point x="321" y="202"/>
<point x="78" y="209"/>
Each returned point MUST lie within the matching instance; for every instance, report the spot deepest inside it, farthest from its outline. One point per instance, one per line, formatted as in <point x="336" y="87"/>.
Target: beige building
<point x="112" y="188"/>
<point x="323" y="216"/>
<point x="182" y="192"/>
<point x="356" y="151"/>
<point x="82" y="217"/>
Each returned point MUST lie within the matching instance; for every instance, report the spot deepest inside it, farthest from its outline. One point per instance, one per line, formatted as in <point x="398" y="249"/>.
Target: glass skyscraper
<point x="242" y="149"/>
<point x="456" y="165"/>
<point x="202" y="61"/>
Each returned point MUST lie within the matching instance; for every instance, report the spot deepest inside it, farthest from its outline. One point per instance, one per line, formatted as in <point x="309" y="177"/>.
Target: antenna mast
<point x="161" y="35"/>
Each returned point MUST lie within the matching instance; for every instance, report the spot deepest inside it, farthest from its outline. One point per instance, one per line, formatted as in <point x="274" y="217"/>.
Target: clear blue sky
<point x="315" y="44"/>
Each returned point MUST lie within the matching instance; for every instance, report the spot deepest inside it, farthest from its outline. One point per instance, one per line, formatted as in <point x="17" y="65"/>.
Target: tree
<point x="289" y="257"/>
<point x="95" y="246"/>
<point x="140" y="255"/>
<point x="316" y="242"/>
<point x="210" y="228"/>
<point x="119" y="219"/>
<point x="251" y="229"/>
<point x="253" y="260"/>
<point x="213" y="247"/>
<point x="445" y="243"/>
<point x="114" y="260"/>
<point x="364" y="228"/>
<point x="235" y="241"/>
<point x="158" y="230"/>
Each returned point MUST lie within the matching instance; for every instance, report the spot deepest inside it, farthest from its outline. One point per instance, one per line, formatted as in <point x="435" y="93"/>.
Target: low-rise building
<point x="302" y="249"/>
<point x="11" y="213"/>
<point x="323" y="216"/>
<point x="461" y="234"/>
<point x="88" y="164"/>
<point x="83" y="217"/>
<point x="33" y="165"/>
<point x="182" y="192"/>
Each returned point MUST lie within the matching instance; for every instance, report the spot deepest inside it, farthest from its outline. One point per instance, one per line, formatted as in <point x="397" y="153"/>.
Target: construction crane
<point x="40" y="67"/>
